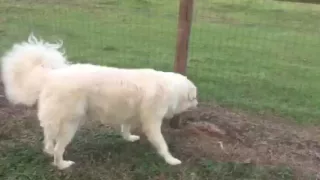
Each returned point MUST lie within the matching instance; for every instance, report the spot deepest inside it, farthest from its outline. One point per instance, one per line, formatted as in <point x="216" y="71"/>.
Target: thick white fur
<point x="25" y="67"/>
<point x="68" y="94"/>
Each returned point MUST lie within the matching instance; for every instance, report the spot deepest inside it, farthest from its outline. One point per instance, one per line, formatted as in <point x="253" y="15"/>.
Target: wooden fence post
<point x="184" y="28"/>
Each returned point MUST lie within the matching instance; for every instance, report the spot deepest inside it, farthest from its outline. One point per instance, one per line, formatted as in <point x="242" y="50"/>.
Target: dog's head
<point x="188" y="98"/>
<point x="187" y="95"/>
<point x="184" y="94"/>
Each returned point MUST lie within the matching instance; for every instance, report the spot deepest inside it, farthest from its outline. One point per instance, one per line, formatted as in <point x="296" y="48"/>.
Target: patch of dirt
<point x="12" y="117"/>
<point x="223" y="135"/>
<point x="208" y="132"/>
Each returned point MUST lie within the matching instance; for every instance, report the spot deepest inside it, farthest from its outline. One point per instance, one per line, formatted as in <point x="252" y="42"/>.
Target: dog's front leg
<point x="152" y="129"/>
<point x="126" y="134"/>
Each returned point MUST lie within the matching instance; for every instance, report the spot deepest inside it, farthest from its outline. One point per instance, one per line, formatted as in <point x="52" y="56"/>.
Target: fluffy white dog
<point x="36" y="71"/>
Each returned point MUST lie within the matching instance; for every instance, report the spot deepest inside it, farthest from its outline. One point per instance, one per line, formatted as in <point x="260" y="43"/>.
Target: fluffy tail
<point x="25" y="67"/>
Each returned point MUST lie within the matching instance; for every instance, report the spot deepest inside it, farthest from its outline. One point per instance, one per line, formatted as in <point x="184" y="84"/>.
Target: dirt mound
<point x="218" y="133"/>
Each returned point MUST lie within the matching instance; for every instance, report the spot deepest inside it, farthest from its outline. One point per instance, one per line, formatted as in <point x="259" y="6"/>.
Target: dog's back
<point x="109" y="94"/>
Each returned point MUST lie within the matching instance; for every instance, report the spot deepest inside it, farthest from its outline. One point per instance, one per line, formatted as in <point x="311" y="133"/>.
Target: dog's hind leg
<point x="50" y="122"/>
<point x="60" y="113"/>
<point x="65" y="135"/>
<point x="126" y="134"/>
<point x="152" y="129"/>
<point x="49" y="137"/>
<point x="60" y="129"/>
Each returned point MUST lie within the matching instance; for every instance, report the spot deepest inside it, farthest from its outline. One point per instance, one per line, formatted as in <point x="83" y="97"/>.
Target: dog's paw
<point x="133" y="138"/>
<point x="64" y="164"/>
<point x="173" y="161"/>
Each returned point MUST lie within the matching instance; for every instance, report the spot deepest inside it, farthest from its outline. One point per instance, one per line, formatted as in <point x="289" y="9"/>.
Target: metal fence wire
<point x="257" y="55"/>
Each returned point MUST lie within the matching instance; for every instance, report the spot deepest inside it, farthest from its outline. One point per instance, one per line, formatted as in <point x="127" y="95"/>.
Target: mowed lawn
<point x="252" y="55"/>
<point x="258" y="56"/>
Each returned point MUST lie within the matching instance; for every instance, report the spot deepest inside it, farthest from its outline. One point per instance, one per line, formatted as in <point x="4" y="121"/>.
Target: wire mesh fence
<point x="250" y="54"/>
<point x="259" y="55"/>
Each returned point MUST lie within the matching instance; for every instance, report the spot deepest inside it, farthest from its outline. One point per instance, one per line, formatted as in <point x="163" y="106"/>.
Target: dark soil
<point x="250" y="139"/>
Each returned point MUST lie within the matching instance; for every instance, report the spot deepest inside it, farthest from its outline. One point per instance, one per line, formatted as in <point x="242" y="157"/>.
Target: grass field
<point x="252" y="55"/>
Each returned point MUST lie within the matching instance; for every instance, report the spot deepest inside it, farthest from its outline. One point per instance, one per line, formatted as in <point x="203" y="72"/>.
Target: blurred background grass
<point x="254" y="55"/>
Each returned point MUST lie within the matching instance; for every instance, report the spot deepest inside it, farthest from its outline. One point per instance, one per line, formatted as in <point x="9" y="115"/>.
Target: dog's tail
<point x="25" y="67"/>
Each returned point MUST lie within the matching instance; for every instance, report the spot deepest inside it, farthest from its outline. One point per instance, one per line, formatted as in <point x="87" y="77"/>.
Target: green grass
<point x="246" y="54"/>
<point x="251" y="55"/>
<point x="259" y="56"/>
<point x="107" y="156"/>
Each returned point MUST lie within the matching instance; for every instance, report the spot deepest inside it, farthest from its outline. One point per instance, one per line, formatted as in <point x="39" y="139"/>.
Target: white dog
<point x="36" y="71"/>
